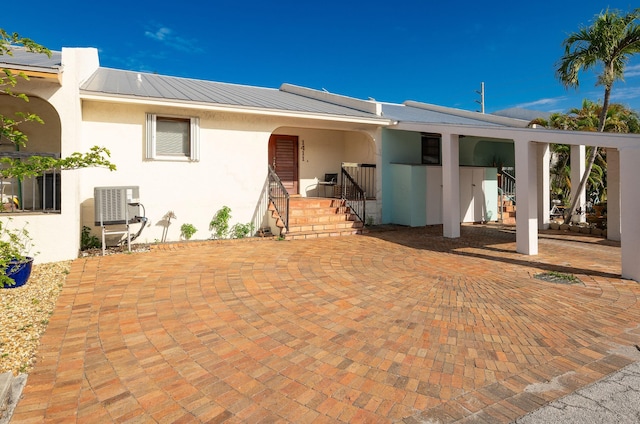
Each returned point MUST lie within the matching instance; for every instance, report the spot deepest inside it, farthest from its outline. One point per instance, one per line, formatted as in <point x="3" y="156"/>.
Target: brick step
<point x="310" y="211"/>
<point x="326" y="233"/>
<point x="321" y="218"/>
<point x="345" y="225"/>
<point x="314" y="202"/>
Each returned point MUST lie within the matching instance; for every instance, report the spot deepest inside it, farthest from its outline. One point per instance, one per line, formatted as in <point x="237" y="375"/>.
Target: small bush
<point x="220" y="223"/>
<point x="242" y="230"/>
<point x="187" y="231"/>
<point x="88" y="240"/>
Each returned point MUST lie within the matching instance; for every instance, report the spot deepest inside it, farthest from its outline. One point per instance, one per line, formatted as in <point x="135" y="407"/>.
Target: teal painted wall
<point x="405" y="147"/>
<point x="476" y="151"/>
<point x="397" y="147"/>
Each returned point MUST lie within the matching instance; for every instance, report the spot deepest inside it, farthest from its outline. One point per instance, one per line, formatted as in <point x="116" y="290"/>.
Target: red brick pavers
<point x="394" y="326"/>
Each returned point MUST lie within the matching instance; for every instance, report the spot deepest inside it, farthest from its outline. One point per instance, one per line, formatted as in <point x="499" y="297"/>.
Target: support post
<point x="578" y="167"/>
<point x="451" y="185"/>
<point x="630" y="211"/>
<point x="613" y="194"/>
<point x="526" y="197"/>
<point x="544" y="197"/>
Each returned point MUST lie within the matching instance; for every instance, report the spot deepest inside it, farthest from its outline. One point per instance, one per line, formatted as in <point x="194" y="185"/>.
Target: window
<point x="172" y="138"/>
<point x="431" y="149"/>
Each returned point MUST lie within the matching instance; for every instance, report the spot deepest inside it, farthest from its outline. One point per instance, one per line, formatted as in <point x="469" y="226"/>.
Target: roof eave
<point x="540" y="135"/>
<point x="35" y="72"/>
<point x="494" y="119"/>
<point x="110" y="98"/>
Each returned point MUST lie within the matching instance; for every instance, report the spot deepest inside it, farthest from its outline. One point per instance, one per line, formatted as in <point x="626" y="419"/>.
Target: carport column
<point x="630" y="211"/>
<point x="613" y="194"/>
<point x="544" y="203"/>
<point x="577" y="171"/>
<point x="450" y="185"/>
<point x="526" y="197"/>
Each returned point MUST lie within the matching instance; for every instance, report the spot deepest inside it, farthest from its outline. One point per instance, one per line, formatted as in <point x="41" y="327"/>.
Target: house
<point x="192" y="146"/>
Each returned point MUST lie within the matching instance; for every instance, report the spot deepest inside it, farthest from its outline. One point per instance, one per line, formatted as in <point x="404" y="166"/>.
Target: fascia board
<point x="576" y="138"/>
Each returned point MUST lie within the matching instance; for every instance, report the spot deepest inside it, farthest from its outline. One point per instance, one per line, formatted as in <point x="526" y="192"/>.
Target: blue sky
<point x="430" y="51"/>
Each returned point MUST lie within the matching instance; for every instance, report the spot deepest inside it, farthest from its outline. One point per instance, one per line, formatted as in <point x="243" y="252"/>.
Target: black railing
<point x="507" y="189"/>
<point x="354" y="195"/>
<point x="40" y="193"/>
<point x="364" y="174"/>
<point x="279" y="197"/>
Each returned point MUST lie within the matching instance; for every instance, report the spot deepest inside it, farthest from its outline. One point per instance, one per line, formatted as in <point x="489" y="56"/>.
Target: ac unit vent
<point x="116" y="205"/>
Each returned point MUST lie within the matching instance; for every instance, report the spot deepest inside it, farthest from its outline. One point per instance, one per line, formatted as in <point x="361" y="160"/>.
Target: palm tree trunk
<point x="592" y="157"/>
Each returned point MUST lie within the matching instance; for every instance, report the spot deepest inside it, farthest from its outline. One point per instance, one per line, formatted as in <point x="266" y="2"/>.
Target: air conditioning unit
<point x="116" y="205"/>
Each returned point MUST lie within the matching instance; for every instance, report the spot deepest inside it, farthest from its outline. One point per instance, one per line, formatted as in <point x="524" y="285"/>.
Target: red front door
<point x="283" y="156"/>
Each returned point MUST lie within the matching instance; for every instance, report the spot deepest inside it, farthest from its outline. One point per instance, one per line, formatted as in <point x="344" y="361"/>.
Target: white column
<point x="450" y="186"/>
<point x="577" y="171"/>
<point x="613" y="194"/>
<point x="630" y="211"/>
<point x="544" y="189"/>
<point x="526" y="197"/>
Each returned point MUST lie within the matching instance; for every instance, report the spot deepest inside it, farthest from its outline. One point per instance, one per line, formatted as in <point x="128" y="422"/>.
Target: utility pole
<point x="481" y="93"/>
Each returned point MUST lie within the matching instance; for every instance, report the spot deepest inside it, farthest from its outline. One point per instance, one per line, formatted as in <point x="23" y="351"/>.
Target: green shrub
<point x="88" y="240"/>
<point x="187" y="231"/>
<point x="239" y="231"/>
<point x="220" y="223"/>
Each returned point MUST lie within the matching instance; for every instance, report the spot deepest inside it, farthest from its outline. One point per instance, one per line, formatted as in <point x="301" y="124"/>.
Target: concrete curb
<point x="10" y="392"/>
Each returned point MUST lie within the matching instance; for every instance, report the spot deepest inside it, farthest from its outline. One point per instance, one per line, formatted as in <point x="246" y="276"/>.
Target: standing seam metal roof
<point x="404" y="113"/>
<point x="23" y="59"/>
<point x="152" y="86"/>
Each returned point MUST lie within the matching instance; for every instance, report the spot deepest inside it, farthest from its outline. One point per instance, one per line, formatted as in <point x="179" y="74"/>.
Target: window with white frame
<point x="172" y="138"/>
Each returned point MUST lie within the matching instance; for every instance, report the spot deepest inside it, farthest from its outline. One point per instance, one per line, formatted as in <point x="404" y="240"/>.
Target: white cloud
<point x="625" y="93"/>
<point x="632" y="71"/>
<point x="167" y="37"/>
<point x="548" y="102"/>
<point x="160" y="34"/>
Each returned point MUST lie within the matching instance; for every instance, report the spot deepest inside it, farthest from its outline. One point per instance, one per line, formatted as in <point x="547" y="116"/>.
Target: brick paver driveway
<point x="394" y="326"/>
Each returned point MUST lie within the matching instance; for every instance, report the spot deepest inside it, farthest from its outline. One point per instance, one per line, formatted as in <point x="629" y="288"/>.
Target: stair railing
<point x="507" y="189"/>
<point x="279" y="196"/>
<point x="354" y="195"/>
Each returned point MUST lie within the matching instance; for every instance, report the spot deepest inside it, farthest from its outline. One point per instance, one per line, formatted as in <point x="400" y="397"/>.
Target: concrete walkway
<point x="394" y="326"/>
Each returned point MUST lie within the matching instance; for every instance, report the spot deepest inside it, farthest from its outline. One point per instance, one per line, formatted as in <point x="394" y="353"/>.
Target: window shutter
<point x="172" y="137"/>
<point x="195" y="139"/>
<point x="151" y="135"/>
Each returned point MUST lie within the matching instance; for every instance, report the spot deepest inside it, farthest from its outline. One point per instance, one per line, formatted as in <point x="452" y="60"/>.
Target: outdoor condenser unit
<point x="116" y="205"/>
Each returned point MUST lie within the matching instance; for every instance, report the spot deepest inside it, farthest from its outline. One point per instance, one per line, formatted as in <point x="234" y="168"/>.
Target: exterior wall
<point x="231" y="171"/>
<point x="322" y="152"/>
<point x="475" y="151"/>
<point x="396" y="147"/>
<point x="57" y="236"/>
<point x="402" y="149"/>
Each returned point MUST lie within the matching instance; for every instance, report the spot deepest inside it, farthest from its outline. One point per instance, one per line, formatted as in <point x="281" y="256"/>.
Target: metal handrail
<point x="507" y="189"/>
<point x="364" y="174"/>
<point x="354" y="195"/>
<point x="279" y="197"/>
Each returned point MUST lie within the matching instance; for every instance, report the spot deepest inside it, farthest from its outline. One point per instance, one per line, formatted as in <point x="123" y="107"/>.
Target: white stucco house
<point x="193" y="146"/>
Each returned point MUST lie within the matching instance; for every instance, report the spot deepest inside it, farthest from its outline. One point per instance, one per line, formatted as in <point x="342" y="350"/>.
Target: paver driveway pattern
<point x="394" y="326"/>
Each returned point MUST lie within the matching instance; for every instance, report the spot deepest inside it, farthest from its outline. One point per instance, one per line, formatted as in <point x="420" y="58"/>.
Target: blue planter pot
<point x="19" y="271"/>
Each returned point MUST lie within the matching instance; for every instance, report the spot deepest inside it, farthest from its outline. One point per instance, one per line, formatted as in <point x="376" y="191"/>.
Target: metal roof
<point x="404" y="113"/>
<point x="25" y="60"/>
<point x="153" y="86"/>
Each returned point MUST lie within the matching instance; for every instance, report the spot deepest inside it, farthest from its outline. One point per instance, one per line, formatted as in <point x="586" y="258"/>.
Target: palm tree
<point x="620" y="119"/>
<point x="608" y="42"/>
